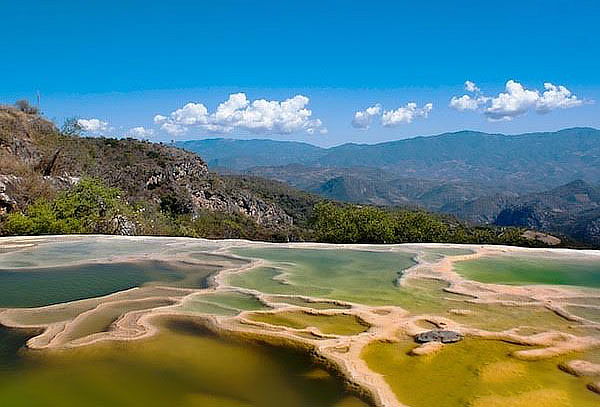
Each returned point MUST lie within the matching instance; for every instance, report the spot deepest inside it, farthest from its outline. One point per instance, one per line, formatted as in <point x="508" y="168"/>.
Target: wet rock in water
<point x="438" y="336"/>
<point x="595" y="387"/>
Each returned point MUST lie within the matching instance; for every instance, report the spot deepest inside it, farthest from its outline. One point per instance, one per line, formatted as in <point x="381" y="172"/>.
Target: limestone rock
<point x="581" y="368"/>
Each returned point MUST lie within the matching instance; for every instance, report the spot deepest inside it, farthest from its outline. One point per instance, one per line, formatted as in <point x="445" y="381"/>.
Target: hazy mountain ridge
<point x="529" y="162"/>
<point x="475" y="176"/>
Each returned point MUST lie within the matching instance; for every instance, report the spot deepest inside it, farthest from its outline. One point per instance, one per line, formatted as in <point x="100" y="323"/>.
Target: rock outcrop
<point x="147" y="172"/>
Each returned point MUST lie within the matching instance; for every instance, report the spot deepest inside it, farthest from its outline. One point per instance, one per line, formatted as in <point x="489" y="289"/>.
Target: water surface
<point x="45" y="286"/>
<point x="518" y="269"/>
<point x="182" y="366"/>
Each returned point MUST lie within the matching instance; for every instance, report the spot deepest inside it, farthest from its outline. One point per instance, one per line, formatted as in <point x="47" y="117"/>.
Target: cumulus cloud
<point x="471" y="87"/>
<point x="467" y="102"/>
<point x="364" y="118"/>
<point x="191" y="114"/>
<point x="239" y="113"/>
<point x="173" y="129"/>
<point x="93" y="125"/>
<point x="556" y="97"/>
<point x="390" y="118"/>
<point x="515" y="101"/>
<point x="159" y="118"/>
<point x="140" y="132"/>
<point x="405" y="114"/>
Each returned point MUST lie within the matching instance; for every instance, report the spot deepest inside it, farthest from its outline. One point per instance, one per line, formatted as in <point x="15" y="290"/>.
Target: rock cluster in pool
<point x="438" y="336"/>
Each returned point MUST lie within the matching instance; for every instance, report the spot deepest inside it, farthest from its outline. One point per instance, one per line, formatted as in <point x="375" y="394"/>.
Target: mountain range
<point x="480" y="177"/>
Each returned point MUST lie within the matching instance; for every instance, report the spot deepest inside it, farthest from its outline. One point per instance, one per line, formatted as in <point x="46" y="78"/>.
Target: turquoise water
<point x="11" y="341"/>
<point x="45" y="286"/>
<point x="512" y="269"/>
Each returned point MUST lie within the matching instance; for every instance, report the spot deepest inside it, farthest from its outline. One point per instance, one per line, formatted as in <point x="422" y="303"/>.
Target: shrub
<point x="24" y="106"/>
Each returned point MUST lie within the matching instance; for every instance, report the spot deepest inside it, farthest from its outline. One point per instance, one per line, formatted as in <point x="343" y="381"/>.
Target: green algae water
<point x="181" y="366"/>
<point x="349" y="275"/>
<point x="513" y="269"/>
<point x="475" y="373"/>
<point x="338" y="324"/>
<point x="45" y="286"/>
<point x="365" y="277"/>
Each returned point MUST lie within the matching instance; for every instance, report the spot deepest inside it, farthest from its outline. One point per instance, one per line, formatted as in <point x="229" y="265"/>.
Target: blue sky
<point x="124" y="62"/>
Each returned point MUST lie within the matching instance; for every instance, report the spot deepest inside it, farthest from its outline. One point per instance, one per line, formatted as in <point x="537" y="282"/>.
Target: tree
<point x="24" y="106"/>
<point x="71" y="127"/>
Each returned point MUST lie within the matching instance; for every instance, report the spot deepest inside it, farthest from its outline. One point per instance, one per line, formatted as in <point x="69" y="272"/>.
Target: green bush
<point x="338" y="223"/>
<point x="87" y="207"/>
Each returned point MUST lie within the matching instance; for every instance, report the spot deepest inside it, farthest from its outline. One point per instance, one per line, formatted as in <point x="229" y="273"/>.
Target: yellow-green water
<point x="182" y="366"/>
<point x="360" y="276"/>
<point x="522" y="269"/>
<point x="337" y="324"/>
<point x="476" y="373"/>
<point x="222" y="303"/>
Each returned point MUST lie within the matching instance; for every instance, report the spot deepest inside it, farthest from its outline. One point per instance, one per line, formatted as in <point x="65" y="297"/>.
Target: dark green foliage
<point x="88" y="207"/>
<point x="173" y="204"/>
<point x="336" y="223"/>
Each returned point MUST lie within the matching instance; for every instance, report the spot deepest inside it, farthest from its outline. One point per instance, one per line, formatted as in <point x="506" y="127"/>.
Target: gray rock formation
<point x="438" y="336"/>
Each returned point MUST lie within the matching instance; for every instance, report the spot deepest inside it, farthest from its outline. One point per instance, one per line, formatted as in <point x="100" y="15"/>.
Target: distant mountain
<point x="520" y="163"/>
<point x="374" y="186"/>
<point x="572" y="209"/>
<point x="479" y="177"/>
<point x="243" y="154"/>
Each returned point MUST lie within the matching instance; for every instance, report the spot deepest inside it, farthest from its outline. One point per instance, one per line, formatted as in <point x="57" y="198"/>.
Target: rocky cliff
<point x="36" y="159"/>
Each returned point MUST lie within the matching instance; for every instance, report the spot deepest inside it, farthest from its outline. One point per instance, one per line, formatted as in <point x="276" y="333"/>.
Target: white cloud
<point x="515" y="101"/>
<point x="471" y="87"/>
<point x="190" y="114"/>
<point x="140" y="132"/>
<point x="159" y="118"/>
<point x="93" y="125"/>
<point x="238" y="113"/>
<point x="364" y="118"/>
<point x="556" y="97"/>
<point x="405" y="114"/>
<point x="467" y="102"/>
<point x="173" y="129"/>
<point x="390" y="118"/>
